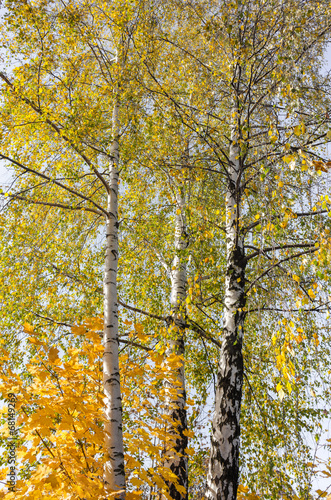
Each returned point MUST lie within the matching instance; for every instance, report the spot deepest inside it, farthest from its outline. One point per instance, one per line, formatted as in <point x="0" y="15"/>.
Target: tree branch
<point x="280" y="247"/>
<point x="57" y="205"/>
<point x="54" y="181"/>
<point x="140" y="311"/>
<point x="57" y="129"/>
<point x="280" y="262"/>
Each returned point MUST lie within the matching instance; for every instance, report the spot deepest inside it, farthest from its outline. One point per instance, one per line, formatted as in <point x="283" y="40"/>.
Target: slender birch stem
<point x="177" y="459"/>
<point x="223" y="473"/>
<point x="114" y="477"/>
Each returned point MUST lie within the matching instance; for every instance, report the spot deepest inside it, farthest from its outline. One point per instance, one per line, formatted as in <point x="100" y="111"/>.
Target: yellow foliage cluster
<point x="60" y="443"/>
<point x="321" y="165"/>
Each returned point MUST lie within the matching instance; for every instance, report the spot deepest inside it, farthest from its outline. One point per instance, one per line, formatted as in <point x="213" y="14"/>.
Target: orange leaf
<point x="53" y="354"/>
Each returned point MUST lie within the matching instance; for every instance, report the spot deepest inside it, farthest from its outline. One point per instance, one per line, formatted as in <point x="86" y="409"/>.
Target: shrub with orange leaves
<point x="60" y="445"/>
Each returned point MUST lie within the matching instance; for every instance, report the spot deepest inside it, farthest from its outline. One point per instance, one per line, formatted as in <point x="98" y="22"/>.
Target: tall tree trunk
<point x="223" y="473"/>
<point x="114" y="477"/>
<point x="177" y="460"/>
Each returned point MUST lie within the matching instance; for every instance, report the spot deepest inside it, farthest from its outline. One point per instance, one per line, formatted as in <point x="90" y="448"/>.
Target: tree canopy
<point x="165" y="248"/>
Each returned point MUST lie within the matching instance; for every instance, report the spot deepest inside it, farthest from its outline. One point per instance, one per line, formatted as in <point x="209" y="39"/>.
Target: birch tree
<point x="178" y="274"/>
<point x="261" y="62"/>
<point x="114" y="468"/>
<point x="75" y="136"/>
<point x="243" y="81"/>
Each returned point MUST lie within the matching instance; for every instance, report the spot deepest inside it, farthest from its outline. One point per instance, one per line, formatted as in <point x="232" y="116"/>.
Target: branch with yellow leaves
<point x="53" y="181"/>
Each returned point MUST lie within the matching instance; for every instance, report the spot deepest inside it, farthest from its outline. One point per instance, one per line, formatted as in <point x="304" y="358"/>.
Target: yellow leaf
<point x="35" y="341"/>
<point x="135" y="481"/>
<point x="270" y="226"/>
<point x="190" y="451"/>
<point x="78" y="330"/>
<point x="133" y="495"/>
<point x="280" y="360"/>
<point x="53" y="354"/>
<point x="28" y="328"/>
<point x="281" y="394"/>
<point x="320" y="165"/>
<point x="180" y="489"/>
<point x="288" y="158"/>
<point x="288" y="387"/>
<point x="139" y="328"/>
<point x="321" y="493"/>
<point x="188" y="433"/>
<point x="297" y="130"/>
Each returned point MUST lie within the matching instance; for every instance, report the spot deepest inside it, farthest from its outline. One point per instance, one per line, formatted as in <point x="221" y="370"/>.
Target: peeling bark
<point x="114" y="477"/>
<point x="223" y="473"/>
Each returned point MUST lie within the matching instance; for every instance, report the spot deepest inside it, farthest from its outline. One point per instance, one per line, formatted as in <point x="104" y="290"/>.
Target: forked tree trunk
<point x="223" y="473"/>
<point x="177" y="460"/>
<point x="114" y="477"/>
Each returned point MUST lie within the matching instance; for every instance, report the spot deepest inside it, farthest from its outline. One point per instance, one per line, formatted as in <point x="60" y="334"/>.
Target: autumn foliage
<point x="165" y="248"/>
<point x="60" y="444"/>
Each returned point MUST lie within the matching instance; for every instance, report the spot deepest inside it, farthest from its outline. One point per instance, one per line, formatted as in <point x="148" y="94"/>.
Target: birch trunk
<point x="223" y="473"/>
<point x="177" y="460"/>
<point x="114" y="477"/>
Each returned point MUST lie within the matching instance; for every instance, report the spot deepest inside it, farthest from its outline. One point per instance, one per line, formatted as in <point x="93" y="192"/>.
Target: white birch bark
<point x="114" y="476"/>
<point x="223" y="473"/>
<point x="177" y="459"/>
